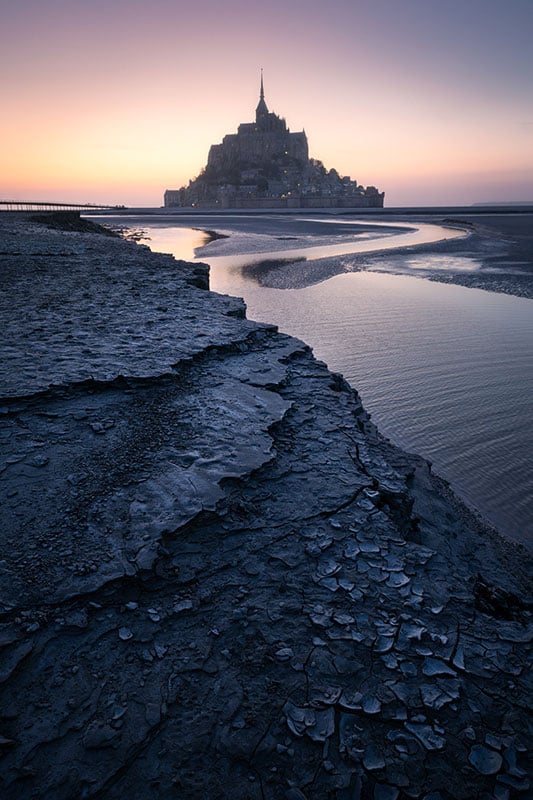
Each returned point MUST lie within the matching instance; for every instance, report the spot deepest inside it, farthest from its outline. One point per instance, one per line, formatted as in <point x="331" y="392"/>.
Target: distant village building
<point x="264" y="165"/>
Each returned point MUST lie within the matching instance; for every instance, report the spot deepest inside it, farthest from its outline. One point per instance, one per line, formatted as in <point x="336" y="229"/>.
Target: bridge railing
<point x="36" y="205"/>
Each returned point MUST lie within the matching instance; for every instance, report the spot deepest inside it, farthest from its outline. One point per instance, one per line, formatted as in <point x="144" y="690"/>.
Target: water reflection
<point x="226" y="253"/>
<point x="185" y="241"/>
<point x="450" y="263"/>
<point x="445" y="371"/>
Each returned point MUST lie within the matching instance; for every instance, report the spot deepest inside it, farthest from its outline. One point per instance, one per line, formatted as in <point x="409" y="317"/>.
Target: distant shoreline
<point x="387" y="211"/>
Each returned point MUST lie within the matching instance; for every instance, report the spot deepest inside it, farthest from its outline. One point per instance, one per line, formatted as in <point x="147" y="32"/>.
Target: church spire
<point x="261" y="109"/>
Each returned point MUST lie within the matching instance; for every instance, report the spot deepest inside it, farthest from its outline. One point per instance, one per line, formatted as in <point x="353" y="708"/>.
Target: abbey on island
<point x="264" y="165"/>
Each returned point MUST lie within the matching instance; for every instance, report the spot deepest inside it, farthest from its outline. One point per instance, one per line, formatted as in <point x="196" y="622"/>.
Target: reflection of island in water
<point x="264" y="165"/>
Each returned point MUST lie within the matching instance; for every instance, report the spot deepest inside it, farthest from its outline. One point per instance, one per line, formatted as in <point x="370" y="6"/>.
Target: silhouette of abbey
<point x="264" y="165"/>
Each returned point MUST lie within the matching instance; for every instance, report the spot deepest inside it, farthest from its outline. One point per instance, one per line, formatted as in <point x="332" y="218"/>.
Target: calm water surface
<point x="445" y="371"/>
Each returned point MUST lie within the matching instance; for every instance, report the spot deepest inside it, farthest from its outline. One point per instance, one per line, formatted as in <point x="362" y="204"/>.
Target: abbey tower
<point x="264" y="165"/>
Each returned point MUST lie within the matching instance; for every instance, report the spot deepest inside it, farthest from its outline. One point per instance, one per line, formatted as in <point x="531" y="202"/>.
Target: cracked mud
<point x="217" y="578"/>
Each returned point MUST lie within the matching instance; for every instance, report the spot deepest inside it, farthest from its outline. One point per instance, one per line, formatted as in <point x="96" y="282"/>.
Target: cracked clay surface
<point x="217" y="579"/>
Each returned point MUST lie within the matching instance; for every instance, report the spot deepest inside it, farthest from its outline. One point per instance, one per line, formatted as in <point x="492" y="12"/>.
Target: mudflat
<point x="218" y="579"/>
<point x="497" y="255"/>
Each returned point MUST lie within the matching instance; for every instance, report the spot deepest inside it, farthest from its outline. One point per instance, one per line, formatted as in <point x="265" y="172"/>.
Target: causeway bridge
<point x="36" y="205"/>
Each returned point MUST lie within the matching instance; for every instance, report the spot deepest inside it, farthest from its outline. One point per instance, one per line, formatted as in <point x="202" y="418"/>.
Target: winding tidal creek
<point x="445" y="371"/>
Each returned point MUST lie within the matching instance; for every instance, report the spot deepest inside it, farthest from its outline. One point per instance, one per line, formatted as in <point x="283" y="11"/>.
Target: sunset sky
<point x="117" y="100"/>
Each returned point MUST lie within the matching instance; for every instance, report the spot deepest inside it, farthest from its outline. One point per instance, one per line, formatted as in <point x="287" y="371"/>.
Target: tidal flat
<point x="485" y="251"/>
<point x="444" y="369"/>
<point x="219" y="579"/>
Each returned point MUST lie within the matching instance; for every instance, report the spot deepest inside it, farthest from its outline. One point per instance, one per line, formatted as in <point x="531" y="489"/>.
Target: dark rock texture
<point x="217" y="579"/>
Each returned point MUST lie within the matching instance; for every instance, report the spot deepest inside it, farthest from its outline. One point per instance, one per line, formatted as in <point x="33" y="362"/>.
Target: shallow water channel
<point x="445" y="371"/>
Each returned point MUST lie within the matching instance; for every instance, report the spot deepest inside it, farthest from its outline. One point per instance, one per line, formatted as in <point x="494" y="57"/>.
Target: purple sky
<point x="116" y="101"/>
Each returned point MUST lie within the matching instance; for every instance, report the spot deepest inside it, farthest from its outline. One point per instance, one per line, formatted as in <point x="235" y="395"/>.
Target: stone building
<point x="264" y="165"/>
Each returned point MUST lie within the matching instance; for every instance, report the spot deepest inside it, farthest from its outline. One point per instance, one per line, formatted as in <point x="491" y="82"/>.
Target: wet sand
<point x="497" y="255"/>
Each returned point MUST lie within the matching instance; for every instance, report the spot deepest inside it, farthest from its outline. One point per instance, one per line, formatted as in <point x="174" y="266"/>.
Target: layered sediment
<point x="218" y="579"/>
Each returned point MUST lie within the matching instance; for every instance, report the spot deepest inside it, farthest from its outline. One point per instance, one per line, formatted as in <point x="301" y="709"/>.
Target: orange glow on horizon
<point x="120" y="112"/>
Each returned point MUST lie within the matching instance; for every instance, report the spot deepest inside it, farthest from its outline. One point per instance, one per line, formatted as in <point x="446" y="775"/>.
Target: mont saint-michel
<point x="265" y="165"/>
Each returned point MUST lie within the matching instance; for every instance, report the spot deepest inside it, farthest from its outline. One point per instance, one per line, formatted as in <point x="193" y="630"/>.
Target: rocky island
<point x="218" y="579"/>
<point x="264" y="165"/>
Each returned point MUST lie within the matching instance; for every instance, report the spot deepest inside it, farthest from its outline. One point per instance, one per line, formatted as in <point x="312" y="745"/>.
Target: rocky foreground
<point x="217" y="579"/>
